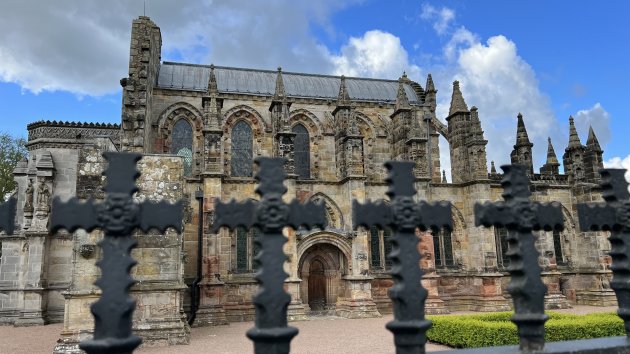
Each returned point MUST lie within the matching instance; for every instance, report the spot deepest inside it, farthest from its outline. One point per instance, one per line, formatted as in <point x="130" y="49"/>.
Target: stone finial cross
<point x="403" y="216"/>
<point x="118" y="216"/>
<point x="521" y="216"/>
<point x="613" y="215"/>
<point x="7" y="215"/>
<point x="271" y="334"/>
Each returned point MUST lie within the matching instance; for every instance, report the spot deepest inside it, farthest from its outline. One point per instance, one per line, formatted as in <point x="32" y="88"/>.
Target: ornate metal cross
<point x="7" y="215"/>
<point x="613" y="216"/>
<point x="271" y="334"/>
<point x="521" y="216"/>
<point x="403" y="216"/>
<point x="118" y="216"/>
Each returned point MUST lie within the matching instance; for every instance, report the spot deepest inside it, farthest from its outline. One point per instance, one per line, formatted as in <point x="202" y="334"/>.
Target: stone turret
<point x="348" y="138"/>
<point x="468" y="146"/>
<point x="144" y="61"/>
<point x="573" y="158"/>
<point x="552" y="166"/>
<point x="284" y="138"/>
<point x="522" y="153"/>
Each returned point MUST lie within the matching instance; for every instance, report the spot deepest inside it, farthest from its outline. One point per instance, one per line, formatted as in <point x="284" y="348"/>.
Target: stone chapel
<point x="201" y="126"/>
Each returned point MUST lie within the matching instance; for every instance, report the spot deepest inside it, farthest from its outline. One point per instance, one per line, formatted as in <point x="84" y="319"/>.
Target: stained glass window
<point x="500" y="234"/>
<point x="302" y="152"/>
<point x="255" y="248"/>
<point x="242" y="150"/>
<point x="182" y="143"/>
<point x="557" y="247"/>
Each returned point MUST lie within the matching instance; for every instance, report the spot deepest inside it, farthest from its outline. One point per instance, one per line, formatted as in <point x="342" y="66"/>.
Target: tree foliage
<point x="12" y="150"/>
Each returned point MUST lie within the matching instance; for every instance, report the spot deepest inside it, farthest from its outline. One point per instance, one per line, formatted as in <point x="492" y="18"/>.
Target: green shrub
<point x="492" y="329"/>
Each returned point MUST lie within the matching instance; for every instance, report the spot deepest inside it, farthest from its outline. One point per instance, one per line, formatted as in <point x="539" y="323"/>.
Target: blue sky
<point x="546" y="59"/>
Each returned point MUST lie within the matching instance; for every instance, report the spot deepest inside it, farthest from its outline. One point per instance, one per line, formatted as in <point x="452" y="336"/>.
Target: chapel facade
<point x="200" y="127"/>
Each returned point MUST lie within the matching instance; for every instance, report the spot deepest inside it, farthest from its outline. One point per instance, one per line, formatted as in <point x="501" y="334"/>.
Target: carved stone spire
<point x="493" y="169"/>
<point x="444" y="176"/>
<point x="592" y="141"/>
<point x="574" y="139"/>
<point x="212" y="81"/>
<point x="402" y="101"/>
<point x="521" y="133"/>
<point x="344" y="97"/>
<point x="457" y="100"/>
<point x="280" y="93"/>
<point x="552" y="159"/>
<point x="430" y="94"/>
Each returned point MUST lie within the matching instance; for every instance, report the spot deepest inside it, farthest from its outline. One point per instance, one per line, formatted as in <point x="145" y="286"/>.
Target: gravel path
<point x="320" y="335"/>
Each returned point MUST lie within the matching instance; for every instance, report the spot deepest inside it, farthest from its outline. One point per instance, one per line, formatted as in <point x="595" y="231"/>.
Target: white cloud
<point x="618" y="162"/>
<point x="83" y="47"/>
<point x="441" y="18"/>
<point x="598" y="118"/>
<point x="375" y="54"/>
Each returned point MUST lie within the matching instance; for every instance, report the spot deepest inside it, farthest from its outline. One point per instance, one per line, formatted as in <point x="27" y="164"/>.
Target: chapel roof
<point x="193" y="77"/>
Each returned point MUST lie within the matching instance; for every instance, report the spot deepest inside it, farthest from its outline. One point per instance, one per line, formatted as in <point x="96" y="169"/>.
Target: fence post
<point x="7" y="215"/>
<point x="271" y="334"/>
<point x="118" y="216"/>
<point x="521" y="216"/>
<point x="403" y="217"/>
<point x="613" y="215"/>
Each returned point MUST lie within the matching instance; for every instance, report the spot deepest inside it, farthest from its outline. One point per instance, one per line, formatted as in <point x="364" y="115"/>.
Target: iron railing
<point x="118" y="216"/>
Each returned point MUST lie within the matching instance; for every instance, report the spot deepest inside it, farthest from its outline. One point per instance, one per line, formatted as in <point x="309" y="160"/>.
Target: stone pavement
<point x="320" y="335"/>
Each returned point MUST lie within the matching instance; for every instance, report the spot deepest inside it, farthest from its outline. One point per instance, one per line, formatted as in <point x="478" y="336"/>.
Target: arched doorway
<point x="321" y="268"/>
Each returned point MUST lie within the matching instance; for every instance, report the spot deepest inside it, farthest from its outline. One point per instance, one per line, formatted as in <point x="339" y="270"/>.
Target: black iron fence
<point x="118" y="216"/>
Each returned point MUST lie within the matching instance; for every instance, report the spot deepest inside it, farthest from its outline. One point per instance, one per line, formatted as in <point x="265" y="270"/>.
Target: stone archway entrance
<point x="321" y="269"/>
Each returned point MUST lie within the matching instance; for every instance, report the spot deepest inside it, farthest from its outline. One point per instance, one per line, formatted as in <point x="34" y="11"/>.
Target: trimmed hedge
<point x="492" y="329"/>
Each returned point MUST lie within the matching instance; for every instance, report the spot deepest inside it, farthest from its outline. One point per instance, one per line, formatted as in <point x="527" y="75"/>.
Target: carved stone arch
<point x="459" y="237"/>
<point x="248" y="114"/>
<point x="308" y="119"/>
<point x="332" y="210"/>
<point x="568" y="235"/>
<point x="167" y="120"/>
<point x="364" y="120"/>
<point x="170" y="116"/>
<point x="327" y="237"/>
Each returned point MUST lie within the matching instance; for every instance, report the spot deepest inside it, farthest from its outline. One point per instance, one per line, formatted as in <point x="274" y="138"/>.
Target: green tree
<point x="12" y="150"/>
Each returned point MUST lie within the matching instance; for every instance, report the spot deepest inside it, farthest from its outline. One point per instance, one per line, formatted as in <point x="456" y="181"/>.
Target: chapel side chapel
<point x="200" y="128"/>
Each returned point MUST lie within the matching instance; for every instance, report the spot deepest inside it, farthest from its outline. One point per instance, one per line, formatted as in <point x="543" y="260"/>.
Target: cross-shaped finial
<point x="270" y="216"/>
<point x="118" y="216"/>
<point x="521" y="216"/>
<point x="403" y="216"/>
<point x="613" y="215"/>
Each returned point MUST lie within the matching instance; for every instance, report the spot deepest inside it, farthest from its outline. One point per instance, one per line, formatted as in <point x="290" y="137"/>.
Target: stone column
<point x="296" y="310"/>
<point x="211" y="310"/>
<point x="356" y="300"/>
<point x="430" y="280"/>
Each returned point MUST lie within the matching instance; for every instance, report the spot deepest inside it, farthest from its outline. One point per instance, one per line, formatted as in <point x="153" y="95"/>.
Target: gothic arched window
<point x="302" y="152"/>
<point x="443" y="248"/>
<point x="242" y="150"/>
<point x="380" y="248"/>
<point x="500" y="235"/>
<point x="182" y="143"/>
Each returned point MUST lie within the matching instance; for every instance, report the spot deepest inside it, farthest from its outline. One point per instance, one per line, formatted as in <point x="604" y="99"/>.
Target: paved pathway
<point x="321" y="335"/>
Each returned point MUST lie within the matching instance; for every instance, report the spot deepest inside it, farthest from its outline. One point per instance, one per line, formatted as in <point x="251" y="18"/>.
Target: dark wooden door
<point x="317" y="286"/>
